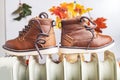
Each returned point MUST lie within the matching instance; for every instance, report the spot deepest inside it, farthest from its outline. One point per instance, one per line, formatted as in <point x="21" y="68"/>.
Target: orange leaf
<point x="100" y="22"/>
<point x="98" y="30"/>
<point x="58" y="11"/>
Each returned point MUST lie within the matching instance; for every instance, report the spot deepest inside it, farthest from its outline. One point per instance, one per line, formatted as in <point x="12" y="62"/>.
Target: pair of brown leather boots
<point x="76" y="37"/>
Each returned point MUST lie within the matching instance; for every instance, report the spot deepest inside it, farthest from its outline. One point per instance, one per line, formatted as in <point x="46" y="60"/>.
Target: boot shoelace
<point x="40" y="41"/>
<point x="89" y="29"/>
<point x="21" y="33"/>
<point x="25" y="29"/>
<point x="92" y="32"/>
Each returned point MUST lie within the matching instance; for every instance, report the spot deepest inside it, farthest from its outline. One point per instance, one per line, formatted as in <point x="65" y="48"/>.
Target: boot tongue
<point x="45" y="25"/>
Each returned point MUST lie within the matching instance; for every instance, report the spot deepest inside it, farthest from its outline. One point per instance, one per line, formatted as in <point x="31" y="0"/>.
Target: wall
<point x="101" y="8"/>
<point x="2" y="26"/>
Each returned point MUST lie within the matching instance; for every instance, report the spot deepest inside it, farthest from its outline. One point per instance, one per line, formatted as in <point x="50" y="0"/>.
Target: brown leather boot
<point x="38" y="35"/>
<point x="79" y="37"/>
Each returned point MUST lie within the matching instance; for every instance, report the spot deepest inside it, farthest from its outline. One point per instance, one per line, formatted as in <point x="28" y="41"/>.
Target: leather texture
<point x="27" y="38"/>
<point x="74" y="34"/>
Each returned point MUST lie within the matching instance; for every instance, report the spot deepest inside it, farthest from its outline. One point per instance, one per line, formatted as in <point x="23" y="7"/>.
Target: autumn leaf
<point x="64" y="4"/>
<point x="68" y="10"/>
<point x="58" y="11"/>
<point x="100" y="24"/>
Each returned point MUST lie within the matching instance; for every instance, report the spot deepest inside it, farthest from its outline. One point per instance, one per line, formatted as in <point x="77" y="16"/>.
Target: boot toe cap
<point x="11" y="45"/>
<point x="103" y="40"/>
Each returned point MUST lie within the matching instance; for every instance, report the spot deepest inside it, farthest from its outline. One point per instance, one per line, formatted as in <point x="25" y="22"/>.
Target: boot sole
<point x="51" y="50"/>
<point x="72" y="50"/>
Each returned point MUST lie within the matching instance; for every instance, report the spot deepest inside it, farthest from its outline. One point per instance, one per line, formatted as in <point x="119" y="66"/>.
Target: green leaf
<point x="18" y="18"/>
<point x="26" y="5"/>
<point x="23" y="11"/>
<point x="18" y="10"/>
<point x="27" y="12"/>
<point x="22" y="14"/>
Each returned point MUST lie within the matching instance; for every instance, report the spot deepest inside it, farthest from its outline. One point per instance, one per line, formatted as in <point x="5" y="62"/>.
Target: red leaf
<point x="27" y="61"/>
<point x="98" y="30"/>
<point x="100" y="24"/>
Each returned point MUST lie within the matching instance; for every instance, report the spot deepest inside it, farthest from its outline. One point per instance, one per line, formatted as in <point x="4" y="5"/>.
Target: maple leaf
<point x="100" y="24"/>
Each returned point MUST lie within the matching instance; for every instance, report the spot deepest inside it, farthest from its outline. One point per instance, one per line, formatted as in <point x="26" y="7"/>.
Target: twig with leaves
<point x="23" y="10"/>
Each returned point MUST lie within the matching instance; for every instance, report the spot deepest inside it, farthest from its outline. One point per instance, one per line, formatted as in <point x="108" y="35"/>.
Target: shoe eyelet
<point x="43" y="15"/>
<point x="41" y="41"/>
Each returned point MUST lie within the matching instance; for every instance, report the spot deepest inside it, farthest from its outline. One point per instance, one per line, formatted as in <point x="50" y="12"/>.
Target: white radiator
<point x="14" y="68"/>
